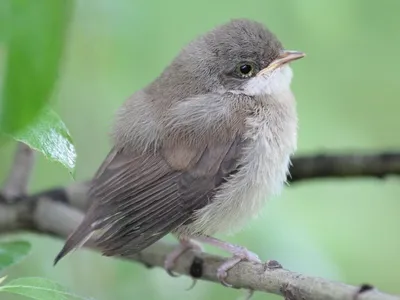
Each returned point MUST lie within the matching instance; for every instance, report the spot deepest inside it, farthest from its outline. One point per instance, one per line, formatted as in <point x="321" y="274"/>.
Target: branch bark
<point x="55" y="217"/>
<point x="323" y="166"/>
<point x="58" y="211"/>
<point x="18" y="179"/>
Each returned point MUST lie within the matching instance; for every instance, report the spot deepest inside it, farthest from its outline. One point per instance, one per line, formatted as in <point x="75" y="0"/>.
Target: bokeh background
<point x="348" y="100"/>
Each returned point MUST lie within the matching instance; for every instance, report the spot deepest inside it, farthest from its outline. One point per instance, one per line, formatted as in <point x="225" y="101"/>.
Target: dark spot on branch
<point x="272" y="265"/>
<point x="196" y="268"/>
<point x="365" y="287"/>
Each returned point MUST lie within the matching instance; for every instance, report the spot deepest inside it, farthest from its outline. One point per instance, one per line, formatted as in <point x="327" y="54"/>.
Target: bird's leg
<point x="239" y="254"/>
<point x="184" y="245"/>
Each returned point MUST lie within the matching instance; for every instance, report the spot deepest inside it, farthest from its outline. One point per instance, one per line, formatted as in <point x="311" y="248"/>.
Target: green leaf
<point x="39" y="289"/>
<point x="34" y="34"/>
<point x="13" y="252"/>
<point x="49" y="135"/>
<point x="4" y="19"/>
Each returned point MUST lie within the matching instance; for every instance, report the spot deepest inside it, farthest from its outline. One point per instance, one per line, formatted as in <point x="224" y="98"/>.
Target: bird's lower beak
<point x="285" y="57"/>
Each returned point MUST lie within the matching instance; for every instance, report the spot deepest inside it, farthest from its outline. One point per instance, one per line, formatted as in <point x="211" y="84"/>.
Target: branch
<point x="21" y="169"/>
<point x="52" y="216"/>
<point x="58" y="211"/>
<point x="340" y="166"/>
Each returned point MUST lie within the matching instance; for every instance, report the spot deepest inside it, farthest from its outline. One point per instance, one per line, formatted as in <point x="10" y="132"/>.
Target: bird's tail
<point x="76" y="240"/>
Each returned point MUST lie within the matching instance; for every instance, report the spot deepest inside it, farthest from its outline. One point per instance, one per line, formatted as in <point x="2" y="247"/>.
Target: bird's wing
<point x="138" y="199"/>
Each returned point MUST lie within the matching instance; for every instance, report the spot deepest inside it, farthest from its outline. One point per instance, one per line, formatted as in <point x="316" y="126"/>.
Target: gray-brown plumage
<point x="199" y="149"/>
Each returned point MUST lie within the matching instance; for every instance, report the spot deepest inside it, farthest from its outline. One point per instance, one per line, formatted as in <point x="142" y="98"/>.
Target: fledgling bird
<point x="199" y="150"/>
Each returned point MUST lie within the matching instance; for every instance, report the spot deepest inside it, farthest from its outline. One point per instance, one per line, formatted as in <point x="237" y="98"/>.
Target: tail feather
<point x="76" y="240"/>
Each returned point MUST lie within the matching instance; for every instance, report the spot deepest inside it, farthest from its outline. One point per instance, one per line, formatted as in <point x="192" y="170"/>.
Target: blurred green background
<point x="347" y="90"/>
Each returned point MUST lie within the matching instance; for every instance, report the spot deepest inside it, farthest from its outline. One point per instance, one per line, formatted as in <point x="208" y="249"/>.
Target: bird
<point x="199" y="150"/>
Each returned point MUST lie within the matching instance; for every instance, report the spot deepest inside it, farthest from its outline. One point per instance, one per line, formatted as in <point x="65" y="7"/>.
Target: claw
<point x="239" y="254"/>
<point x="171" y="273"/>
<point x="192" y="285"/>
<point x="222" y="272"/>
<point x="223" y="282"/>
<point x="249" y="295"/>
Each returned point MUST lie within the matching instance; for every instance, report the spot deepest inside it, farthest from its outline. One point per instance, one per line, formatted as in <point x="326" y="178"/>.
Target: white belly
<point x="264" y="168"/>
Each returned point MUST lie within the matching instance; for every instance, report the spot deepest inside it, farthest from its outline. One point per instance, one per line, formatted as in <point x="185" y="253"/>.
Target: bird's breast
<point x="271" y="138"/>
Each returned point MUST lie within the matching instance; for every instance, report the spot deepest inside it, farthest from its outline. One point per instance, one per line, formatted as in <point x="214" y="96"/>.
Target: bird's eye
<point x="245" y="70"/>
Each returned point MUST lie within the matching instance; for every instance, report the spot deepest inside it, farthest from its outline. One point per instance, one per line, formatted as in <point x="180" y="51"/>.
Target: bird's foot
<point x="239" y="254"/>
<point x="184" y="245"/>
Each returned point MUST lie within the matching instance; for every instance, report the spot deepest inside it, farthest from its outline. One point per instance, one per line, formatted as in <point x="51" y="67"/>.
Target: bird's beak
<point x="285" y="57"/>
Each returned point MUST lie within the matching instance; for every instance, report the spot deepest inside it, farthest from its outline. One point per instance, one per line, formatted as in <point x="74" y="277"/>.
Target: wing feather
<point x="139" y="198"/>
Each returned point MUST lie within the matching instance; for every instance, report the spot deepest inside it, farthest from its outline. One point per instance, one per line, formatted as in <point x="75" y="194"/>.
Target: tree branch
<point x="52" y="216"/>
<point x="58" y="211"/>
<point x="346" y="165"/>
<point x="18" y="179"/>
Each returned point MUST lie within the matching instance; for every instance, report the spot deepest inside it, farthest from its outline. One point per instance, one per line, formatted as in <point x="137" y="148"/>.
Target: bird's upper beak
<point x="285" y="57"/>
